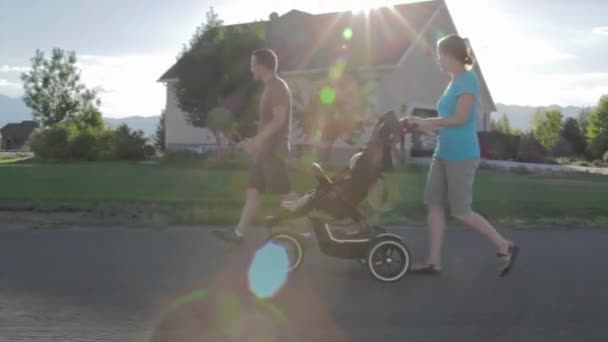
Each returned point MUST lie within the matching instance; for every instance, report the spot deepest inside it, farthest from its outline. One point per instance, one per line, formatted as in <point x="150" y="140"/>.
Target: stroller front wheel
<point x="388" y="259"/>
<point x="293" y="247"/>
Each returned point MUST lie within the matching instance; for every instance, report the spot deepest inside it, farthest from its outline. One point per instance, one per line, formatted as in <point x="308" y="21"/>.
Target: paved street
<point x="182" y="285"/>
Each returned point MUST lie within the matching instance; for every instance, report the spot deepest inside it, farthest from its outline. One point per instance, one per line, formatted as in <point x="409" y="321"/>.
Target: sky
<point x="532" y="52"/>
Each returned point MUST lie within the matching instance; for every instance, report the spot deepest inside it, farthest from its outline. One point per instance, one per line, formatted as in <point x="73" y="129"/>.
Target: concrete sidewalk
<point x="532" y="167"/>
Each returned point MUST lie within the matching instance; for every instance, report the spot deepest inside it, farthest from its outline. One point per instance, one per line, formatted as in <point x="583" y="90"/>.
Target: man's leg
<point x="255" y="186"/>
<point x="252" y="204"/>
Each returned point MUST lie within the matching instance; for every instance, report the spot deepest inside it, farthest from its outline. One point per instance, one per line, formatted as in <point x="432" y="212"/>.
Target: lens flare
<point x="347" y="34"/>
<point x="328" y="95"/>
<point x="188" y="299"/>
<point x="337" y="69"/>
<point x="268" y="271"/>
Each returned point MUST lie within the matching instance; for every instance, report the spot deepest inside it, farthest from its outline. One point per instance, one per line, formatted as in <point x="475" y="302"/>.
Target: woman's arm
<point x="463" y="108"/>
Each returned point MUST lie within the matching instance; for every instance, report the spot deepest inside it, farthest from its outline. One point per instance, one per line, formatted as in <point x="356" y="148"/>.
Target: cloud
<point x="9" y="84"/>
<point x="8" y="68"/>
<point x="126" y="84"/>
<point x="603" y="30"/>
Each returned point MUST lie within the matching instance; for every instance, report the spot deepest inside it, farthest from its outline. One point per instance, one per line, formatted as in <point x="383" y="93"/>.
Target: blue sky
<point x="537" y="52"/>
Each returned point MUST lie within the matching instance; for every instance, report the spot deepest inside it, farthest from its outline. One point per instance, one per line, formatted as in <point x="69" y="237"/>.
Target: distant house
<point x="15" y="136"/>
<point x="392" y="48"/>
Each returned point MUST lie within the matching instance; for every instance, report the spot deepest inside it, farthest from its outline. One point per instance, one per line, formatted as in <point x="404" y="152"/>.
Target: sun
<point x="361" y="6"/>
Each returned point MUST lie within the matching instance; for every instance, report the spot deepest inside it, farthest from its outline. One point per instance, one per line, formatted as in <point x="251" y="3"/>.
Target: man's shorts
<point x="269" y="175"/>
<point x="450" y="184"/>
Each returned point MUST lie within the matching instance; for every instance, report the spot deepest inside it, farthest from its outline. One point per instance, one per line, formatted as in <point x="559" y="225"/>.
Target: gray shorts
<point x="269" y="175"/>
<point x="450" y="184"/>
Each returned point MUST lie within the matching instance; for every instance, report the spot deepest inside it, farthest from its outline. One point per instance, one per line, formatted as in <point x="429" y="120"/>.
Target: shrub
<point x="149" y="151"/>
<point x="84" y="146"/>
<point x="498" y="146"/>
<point x="128" y="144"/>
<point x="563" y="148"/>
<point x="53" y="142"/>
<point x="530" y="150"/>
<point x="68" y="142"/>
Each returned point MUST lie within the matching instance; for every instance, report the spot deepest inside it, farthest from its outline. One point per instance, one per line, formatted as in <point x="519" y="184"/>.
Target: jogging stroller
<point x="385" y="254"/>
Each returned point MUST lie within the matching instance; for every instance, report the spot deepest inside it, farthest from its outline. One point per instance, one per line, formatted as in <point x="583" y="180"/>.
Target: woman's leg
<point x="461" y="177"/>
<point x="480" y="224"/>
<point x="434" y="197"/>
<point x="436" y="222"/>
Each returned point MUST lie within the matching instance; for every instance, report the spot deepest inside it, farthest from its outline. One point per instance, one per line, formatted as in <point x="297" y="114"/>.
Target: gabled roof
<point x="305" y="41"/>
<point x="19" y="131"/>
<point x="378" y="38"/>
<point x="171" y="73"/>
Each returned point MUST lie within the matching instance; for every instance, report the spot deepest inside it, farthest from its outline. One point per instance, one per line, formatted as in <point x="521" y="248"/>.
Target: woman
<point x="452" y="173"/>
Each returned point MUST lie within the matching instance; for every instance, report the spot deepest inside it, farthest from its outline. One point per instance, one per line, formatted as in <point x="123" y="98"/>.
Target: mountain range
<point x="520" y="116"/>
<point x="14" y="110"/>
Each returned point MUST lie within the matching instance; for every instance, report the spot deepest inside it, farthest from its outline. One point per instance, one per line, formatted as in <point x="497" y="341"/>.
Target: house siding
<point x="179" y="133"/>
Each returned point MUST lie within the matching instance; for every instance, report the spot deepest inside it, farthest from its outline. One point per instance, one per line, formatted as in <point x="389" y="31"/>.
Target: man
<point x="269" y="149"/>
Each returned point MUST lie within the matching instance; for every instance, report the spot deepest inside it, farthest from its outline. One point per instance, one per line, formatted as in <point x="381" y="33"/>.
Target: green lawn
<point x="180" y="194"/>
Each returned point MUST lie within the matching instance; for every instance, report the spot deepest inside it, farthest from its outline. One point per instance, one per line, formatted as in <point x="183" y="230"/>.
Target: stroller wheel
<point x="388" y="259"/>
<point x="293" y="247"/>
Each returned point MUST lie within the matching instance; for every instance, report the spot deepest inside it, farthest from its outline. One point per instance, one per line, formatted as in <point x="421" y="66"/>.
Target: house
<point x="15" y="136"/>
<point x="392" y="49"/>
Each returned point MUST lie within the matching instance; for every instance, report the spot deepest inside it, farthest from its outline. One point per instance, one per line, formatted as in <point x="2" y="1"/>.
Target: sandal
<point x="426" y="269"/>
<point x="512" y="254"/>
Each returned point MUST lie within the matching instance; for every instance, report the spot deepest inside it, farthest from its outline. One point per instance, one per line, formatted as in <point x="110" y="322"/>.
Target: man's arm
<point x="279" y="116"/>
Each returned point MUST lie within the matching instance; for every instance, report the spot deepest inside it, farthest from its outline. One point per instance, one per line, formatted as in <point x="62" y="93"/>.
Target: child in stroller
<point x="341" y="195"/>
<point x="385" y="254"/>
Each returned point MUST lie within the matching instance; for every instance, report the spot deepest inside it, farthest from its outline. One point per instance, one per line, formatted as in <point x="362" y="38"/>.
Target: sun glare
<point x="361" y="7"/>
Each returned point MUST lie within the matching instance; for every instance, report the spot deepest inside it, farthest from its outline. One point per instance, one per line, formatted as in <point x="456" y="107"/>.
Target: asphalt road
<point x="182" y="285"/>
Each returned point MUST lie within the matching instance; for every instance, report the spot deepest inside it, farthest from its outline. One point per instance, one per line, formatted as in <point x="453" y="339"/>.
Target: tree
<point x="583" y="119"/>
<point x="212" y="20"/>
<point x="221" y="123"/>
<point x="503" y="125"/>
<point x="214" y="72"/>
<point x="546" y="127"/>
<point x="159" y="134"/>
<point x="597" y="131"/>
<point x="571" y="132"/>
<point x="54" y="92"/>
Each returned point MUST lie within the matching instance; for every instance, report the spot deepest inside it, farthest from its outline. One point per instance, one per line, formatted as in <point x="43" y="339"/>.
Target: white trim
<point x="342" y="240"/>
<point x="168" y="80"/>
<point x="421" y="33"/>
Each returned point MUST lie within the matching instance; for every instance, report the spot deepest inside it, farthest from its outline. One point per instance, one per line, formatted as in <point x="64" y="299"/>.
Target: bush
<point x="498" y="146"/>
<point x="530" y="150"/>
<point x="563" y="148"/>
<point x="53" y="142"/>
<point x="84" y="146"/>
<point x="67" y="142"/>
<point x="127" y="144"/>
<point x="149" y="151"/>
